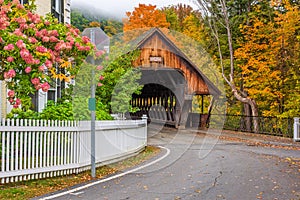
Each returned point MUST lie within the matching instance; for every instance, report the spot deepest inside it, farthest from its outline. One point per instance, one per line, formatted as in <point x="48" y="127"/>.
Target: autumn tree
<point x="269" y="58"/>
<point x="184" y="19"/>
<point x="145" y="16"/>
<point x="111" y="27"/>
<point x="177" y="14"/>
<point x="94" y="24"/>
<point x="217" y="12"/>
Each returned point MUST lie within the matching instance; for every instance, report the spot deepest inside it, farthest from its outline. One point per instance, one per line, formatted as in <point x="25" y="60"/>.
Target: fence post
<point x="296" y="129"/>
<point x="145" y="118"/>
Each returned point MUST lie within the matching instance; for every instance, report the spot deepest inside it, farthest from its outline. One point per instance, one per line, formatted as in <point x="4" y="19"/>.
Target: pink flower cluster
<point x="74" y="31"/>
<point x="10" y="74"/>
<point x="47" y="36"/>
<point x="53" y="39"/>
<point x="4" y="21"/>
<point x="82" y="48"/>
<point x="99" y="67"/>
<point x="28" y="70"/>
<point x="27" y="57"/>
<point x="11" y="94"/>
<point x="35" y="81"/>
<point x="41" y="49"/>
<point x="18" y="32"/>
<point x="9" y="47"/>
<point x="15" y="102"/>
<point x="45" y="87"/>
<point x="32" y="40"/>
<point x="34" y="18"/>
<point x="101" y="78"/>
<point x="38" y="85"/>
<point x="20" y="44"/>
<point x="42" y="68"/>
<point x="20" y="20"/>
<point x="99" y="53"/>
<point x="48" y="64"/>
<point x="85" y="39"/>
<point x="10" y="59"/>
<point x="12" y="100"/>
<point x="36" y="46"/>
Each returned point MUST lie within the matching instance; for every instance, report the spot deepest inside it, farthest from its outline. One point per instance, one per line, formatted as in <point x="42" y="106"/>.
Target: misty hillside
<point x="82" y="16"/>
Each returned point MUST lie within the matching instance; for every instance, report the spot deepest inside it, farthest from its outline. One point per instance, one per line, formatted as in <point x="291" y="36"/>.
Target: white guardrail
<point x="32" y="149"/>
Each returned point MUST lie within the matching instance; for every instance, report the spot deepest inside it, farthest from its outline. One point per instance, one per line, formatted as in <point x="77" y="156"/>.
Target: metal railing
<point x="267" y="125"/>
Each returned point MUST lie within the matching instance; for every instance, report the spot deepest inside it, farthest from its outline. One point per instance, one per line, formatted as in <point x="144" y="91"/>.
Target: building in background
<point x="61" y="9"/>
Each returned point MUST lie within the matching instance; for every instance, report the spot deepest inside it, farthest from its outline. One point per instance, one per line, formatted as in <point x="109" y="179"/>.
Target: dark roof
<point x="101" y="39"/>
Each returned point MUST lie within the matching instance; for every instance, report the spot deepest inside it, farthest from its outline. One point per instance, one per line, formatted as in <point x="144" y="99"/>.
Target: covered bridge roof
<point x="158" y="52"/>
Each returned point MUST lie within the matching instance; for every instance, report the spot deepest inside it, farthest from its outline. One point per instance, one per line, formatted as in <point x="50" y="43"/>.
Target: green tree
<point x="117" y="65"/>
<point x="81" y="19"/>
<point x="126" y="86"/>
<point x="78" y="20"/>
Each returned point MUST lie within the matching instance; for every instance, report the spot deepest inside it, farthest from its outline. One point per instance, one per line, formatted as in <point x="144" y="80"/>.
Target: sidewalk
<point x="260" y="139"/>
<point x="250" y="139"/>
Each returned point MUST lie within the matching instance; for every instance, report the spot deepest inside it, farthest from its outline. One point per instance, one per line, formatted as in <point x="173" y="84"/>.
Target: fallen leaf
<point x="198" y="191"/>
<point x="145" y="187"/>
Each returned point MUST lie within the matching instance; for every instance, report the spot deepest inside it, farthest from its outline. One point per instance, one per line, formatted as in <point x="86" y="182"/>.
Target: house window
<point x="23" y="2"/>
<point x="52" y="95"/>
<point x="57" y="9"/>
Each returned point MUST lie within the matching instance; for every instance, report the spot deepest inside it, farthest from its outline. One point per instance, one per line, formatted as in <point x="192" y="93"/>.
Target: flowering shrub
<point x="34" y="49"/>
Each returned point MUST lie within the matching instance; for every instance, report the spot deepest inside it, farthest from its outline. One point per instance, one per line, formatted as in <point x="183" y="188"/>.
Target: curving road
<point x="183" y="170"/>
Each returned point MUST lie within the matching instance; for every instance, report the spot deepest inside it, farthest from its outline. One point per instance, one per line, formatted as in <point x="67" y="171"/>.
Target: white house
<point x="61" y="9"/>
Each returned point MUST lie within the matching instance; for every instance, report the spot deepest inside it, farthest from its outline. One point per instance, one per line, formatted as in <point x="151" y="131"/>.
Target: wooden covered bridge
<point x="170" y="81"/>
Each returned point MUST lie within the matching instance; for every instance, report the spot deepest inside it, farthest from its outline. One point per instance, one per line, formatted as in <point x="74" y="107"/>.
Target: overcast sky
<point x="118" y="8"/>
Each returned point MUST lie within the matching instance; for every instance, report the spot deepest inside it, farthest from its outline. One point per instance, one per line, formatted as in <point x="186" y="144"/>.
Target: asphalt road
<point x="199" y="167"/>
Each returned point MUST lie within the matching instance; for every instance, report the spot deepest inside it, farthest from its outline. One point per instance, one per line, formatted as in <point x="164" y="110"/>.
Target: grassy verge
<point x="34" y="188"/>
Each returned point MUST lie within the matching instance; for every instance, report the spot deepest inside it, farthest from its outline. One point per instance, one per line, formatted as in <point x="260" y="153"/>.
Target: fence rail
<point x="32" y="149"/>
<point x="267" y="125"/>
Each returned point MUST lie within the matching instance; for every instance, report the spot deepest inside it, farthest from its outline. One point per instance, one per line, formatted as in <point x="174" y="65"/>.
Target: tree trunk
<point x="247" y="113"/>
<point x="252" y="104"/>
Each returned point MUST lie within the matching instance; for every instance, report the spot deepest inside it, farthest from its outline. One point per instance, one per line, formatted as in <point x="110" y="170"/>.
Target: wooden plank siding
<point x="155" y="46"/>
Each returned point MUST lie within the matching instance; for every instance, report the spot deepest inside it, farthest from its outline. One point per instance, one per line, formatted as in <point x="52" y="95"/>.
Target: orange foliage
<point x="267" y="56"/>
<point x="145" y="16"/>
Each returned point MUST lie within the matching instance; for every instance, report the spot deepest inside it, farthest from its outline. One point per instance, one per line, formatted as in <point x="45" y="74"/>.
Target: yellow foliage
<point x="46" y="54"/>
<point x="65" y="64"/>
<point x="268" y="54"/>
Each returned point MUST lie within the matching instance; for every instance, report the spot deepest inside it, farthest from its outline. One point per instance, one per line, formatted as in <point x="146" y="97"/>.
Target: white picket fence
<point x="32" y="149"/>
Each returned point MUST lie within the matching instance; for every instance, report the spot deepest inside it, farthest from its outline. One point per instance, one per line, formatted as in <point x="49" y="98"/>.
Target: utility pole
<point x="95" y="36"/>
<point x="92" y="105"/>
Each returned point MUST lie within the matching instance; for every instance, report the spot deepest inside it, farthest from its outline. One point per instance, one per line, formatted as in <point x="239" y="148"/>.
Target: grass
<point x="34" y="188"/>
